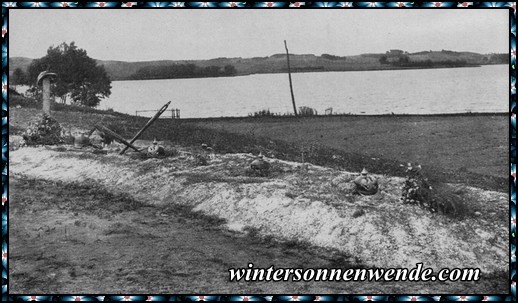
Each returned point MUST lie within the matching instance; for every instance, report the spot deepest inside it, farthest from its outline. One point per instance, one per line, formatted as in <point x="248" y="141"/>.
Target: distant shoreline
<point x="258" y="119"/>
<point x="317" y="71"/>
<point x="393" y="59"/>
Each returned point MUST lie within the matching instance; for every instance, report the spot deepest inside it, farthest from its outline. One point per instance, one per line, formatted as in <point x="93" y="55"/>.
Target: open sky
<point x="182" y="34"/>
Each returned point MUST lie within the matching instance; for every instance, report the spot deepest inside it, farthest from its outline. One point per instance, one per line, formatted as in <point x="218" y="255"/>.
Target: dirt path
<point x="73" y="239"/>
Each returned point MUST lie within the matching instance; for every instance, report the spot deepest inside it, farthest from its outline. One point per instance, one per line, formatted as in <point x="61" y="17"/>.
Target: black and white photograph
<point x="256" y="151"/>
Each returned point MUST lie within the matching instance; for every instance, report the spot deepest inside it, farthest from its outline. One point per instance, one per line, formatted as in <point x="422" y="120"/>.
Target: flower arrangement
<point x="43" y="130"/>
<point x="442" y="199"/>
<point x="417" y="189"/>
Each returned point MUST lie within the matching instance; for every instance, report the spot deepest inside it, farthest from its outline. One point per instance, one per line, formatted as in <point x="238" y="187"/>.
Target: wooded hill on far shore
<point x="224" y="67"/>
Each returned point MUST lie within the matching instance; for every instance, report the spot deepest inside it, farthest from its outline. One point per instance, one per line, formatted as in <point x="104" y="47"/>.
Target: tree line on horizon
<point x="400" y="58"/>
<point x="178" y="71"/>
<point x="405" y="61"/>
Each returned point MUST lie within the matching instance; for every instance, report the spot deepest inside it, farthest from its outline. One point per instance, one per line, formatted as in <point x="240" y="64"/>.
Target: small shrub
<point x="440" y="199"/>
<point x="451" y="202"/>
<point x="262" y="113"/>
<point x="306" y="111"/>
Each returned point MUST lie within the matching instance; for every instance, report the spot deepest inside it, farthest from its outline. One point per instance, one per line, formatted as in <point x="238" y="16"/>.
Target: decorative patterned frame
<point x="6" y="6"/>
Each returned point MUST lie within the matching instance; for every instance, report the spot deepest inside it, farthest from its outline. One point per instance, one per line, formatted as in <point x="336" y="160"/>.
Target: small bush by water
<point x="306" y="111"/>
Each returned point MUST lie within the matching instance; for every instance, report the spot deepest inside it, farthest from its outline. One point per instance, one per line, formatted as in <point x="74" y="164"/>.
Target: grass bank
<point x="461" y="148"/>
<point x="294" y="203"/>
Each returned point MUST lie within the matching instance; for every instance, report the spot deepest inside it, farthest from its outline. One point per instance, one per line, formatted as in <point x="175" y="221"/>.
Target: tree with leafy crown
<point x="79" y="77"/>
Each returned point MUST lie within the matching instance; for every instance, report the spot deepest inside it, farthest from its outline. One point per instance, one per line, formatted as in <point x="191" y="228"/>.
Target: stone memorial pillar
<point x="44" y="79"/>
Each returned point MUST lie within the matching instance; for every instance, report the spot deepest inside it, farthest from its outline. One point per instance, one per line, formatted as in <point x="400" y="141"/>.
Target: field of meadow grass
<point x="469" y="148"/>
<point x="306" y="205"/>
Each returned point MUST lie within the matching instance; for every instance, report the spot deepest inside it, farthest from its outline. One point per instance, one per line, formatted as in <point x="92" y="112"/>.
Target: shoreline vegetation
<point x="300" y="63"/>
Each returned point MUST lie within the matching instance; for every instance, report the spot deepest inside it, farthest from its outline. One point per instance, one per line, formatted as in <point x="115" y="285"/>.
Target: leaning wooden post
<point x="159" y="112"/>
<point x="289" y="76"/>
<point x="44" y="79"/>
<point x="115" y="136"/>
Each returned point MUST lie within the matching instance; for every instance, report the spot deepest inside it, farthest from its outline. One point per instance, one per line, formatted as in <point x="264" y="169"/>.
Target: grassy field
<point x="128" y="237"/>
<point x="470" y="149"/>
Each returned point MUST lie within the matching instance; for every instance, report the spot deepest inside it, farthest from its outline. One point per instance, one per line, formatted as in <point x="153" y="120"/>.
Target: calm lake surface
<point x="425" y="91"/>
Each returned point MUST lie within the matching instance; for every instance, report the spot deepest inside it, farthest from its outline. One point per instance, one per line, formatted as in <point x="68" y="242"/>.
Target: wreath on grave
<point x="417" y="189"/>
<point x="43" y="130"/>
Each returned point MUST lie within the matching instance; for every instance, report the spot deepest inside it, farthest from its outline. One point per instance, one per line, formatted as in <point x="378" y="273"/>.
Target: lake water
<point x="425" y="91"/>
